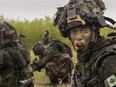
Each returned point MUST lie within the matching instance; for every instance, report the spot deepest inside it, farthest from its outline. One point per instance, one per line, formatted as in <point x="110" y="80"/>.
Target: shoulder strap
<point x="1" y="56"/>
<point x="101" y="56"/>
<point x="108" y="50"/>
<point x="94" y="64"/>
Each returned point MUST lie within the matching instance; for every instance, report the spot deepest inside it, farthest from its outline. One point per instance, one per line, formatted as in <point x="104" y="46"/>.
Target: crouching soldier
<point x="56" y="57"/>
<point x="14" y="59"/>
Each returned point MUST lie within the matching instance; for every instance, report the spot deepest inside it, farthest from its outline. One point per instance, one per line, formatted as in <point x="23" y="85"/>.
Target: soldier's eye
<point x="73" y="32"/>
<point x="84" y="31"/>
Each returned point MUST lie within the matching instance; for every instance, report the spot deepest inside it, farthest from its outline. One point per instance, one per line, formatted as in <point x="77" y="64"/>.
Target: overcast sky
<point x="31" y="9"/>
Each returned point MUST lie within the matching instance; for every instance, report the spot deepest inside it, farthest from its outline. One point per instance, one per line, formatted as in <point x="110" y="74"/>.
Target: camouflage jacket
<point x="100" y="69"/>
<point x="46" y="40"/>
<point x="52" y="52"/>
<point x="14" y="61"/>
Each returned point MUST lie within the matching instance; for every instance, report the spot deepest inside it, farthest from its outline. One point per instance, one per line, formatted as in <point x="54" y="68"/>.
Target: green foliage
<point x="33" y="30"/>
<point x="106" y="30"/>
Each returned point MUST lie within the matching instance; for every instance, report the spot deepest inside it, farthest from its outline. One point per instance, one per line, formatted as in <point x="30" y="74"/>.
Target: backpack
<point x="62" y="62"/>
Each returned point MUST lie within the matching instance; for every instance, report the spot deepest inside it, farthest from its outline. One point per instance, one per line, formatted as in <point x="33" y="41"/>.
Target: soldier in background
<point x="81" y="21"/>
<point x="56" y="58"/>
<point x="46" y="38"/>
<point x="14" y="59"/>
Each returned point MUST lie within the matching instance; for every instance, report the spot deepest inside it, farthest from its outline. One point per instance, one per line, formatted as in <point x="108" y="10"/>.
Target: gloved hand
<point x="34" y="65"/>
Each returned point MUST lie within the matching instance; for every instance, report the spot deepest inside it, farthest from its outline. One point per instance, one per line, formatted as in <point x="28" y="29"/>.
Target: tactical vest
<point x="88" y="76"/>
<point x="14" y="66"/>
<point x="17" y="57"/>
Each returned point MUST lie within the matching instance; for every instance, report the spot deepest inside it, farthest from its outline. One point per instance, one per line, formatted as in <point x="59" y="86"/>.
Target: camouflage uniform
<point x="46" y="39"/>
<point x="14" y="61"/>
<point x="56" y="58"/>
<point x="96" y="65"/>
<point x="99" y="70"/>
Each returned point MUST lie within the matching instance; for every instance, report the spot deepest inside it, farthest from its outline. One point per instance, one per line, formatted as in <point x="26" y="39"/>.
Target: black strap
<point x="110" y="20"/>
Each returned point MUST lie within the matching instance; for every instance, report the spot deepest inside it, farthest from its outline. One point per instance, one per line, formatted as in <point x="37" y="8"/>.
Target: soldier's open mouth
<point x="79" y="46"/>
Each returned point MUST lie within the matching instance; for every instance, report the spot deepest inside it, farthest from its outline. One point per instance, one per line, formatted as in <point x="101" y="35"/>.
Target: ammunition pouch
<point x="21" y="58"/>
<point x="26" y="55"/>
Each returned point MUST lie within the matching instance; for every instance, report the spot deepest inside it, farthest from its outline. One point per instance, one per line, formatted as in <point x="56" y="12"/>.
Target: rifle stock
<point x="77" y="81"/>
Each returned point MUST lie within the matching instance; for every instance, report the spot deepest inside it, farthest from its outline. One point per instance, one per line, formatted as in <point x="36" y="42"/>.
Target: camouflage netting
<point x="81" y="12"/>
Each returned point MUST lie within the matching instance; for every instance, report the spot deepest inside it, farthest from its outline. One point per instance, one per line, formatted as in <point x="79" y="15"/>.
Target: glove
<point x="34" y="65"/>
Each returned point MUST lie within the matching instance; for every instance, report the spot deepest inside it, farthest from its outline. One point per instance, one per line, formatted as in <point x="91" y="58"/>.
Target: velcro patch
<point x="110" y="81"/>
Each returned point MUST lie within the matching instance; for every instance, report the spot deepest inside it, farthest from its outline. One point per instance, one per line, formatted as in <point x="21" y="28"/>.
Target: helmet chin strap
<point x="93" y="40"/>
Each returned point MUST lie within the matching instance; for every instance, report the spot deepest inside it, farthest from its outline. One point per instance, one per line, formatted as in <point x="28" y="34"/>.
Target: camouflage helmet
<point x="6" y="30"/>
<point x="38" y="48"/>
<point x="80" y="12"/>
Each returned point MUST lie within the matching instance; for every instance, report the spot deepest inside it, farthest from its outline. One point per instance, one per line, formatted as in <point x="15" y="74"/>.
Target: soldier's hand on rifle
<point x="34" y="65"/>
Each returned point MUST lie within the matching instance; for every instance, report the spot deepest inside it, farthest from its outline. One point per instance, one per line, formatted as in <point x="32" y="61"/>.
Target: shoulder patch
<point x="110" y="81"/>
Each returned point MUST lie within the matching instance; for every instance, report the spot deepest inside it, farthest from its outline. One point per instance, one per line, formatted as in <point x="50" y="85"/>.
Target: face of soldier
<point x="80" y="37"/>
<point x="46" y="33"/>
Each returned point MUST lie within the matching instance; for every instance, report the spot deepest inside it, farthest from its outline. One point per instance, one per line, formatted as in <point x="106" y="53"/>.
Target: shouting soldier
<point x="81" y="21"/>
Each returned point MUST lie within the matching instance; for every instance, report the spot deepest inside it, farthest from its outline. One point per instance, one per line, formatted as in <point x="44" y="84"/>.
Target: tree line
<point x="33" y="30"/>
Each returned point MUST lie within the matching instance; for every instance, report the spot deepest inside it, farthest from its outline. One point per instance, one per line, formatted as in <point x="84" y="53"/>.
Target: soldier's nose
<point x="78" y="38"/>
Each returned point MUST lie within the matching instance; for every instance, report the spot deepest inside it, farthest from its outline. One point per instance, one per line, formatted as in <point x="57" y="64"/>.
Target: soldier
<point x="56" y="59"/>
<point x="14" y="59"/>
<point x="46" y="39"/>
<point x="81" y="21"/>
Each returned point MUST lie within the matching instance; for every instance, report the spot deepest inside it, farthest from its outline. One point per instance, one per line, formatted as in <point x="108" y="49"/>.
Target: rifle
<point x="77" y="81"/>
<point x="26" y="82"/>
<point x="75" y="78"/>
